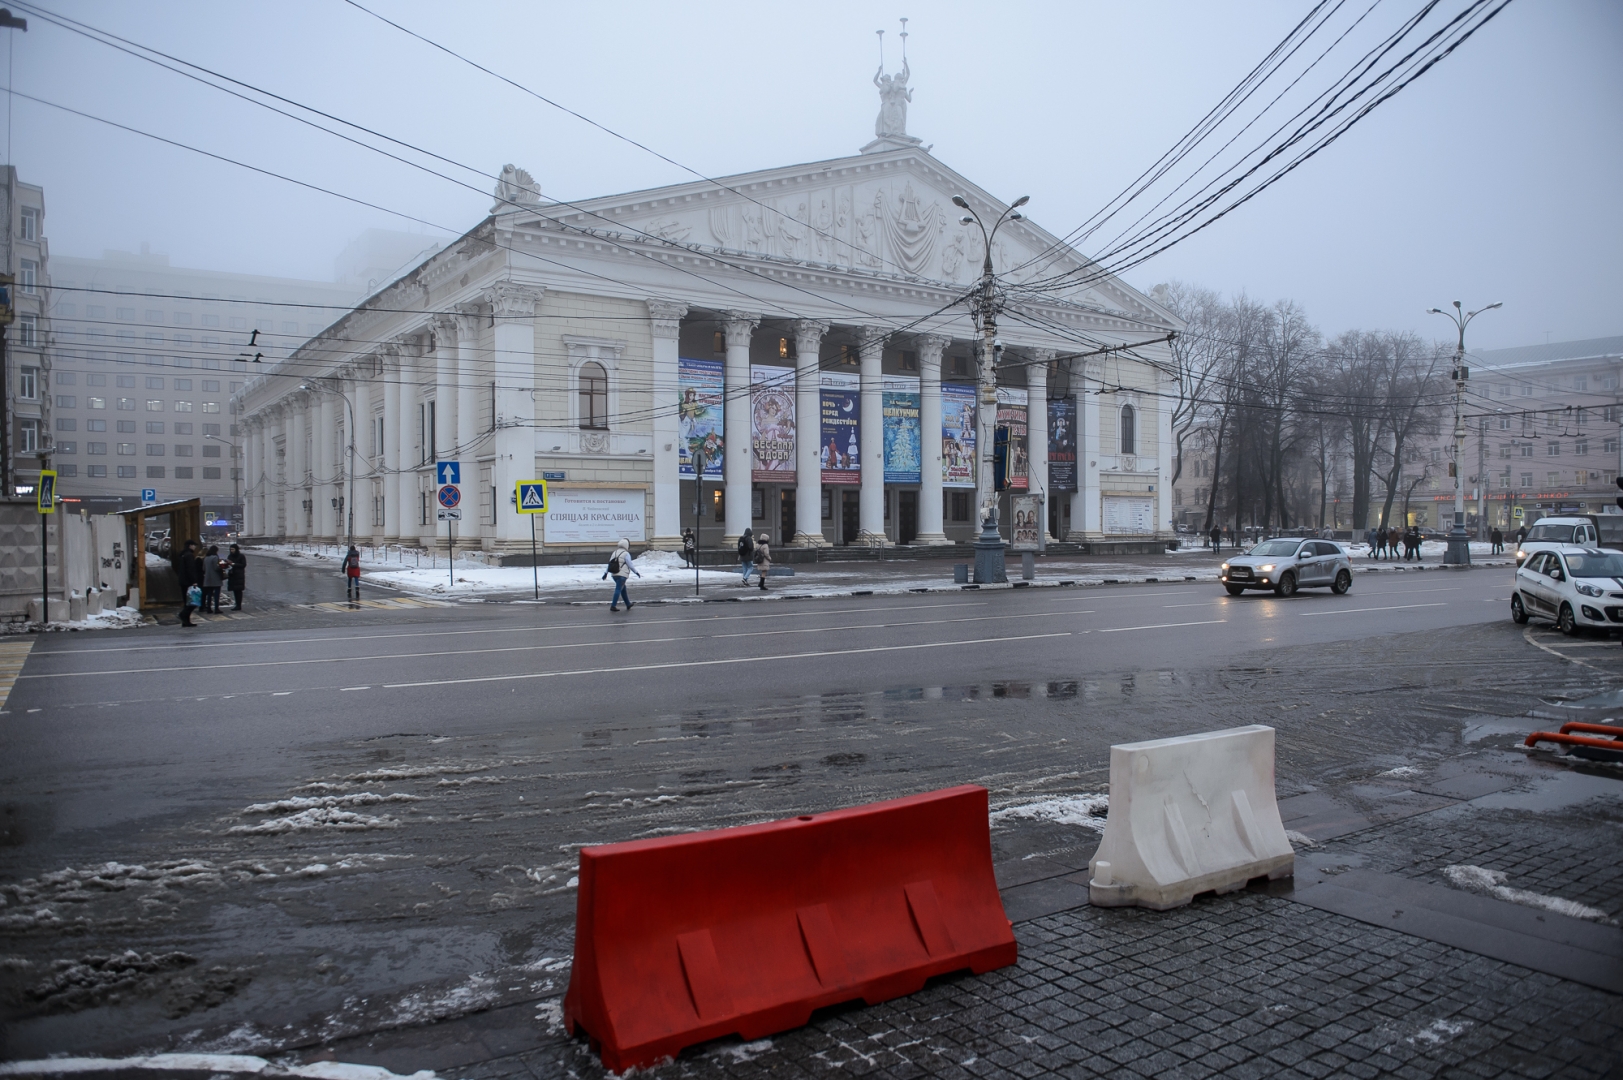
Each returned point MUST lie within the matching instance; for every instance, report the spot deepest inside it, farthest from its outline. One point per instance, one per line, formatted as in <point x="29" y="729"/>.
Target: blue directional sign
<point x="447" y="472"/>
<point x="149" y="496"/>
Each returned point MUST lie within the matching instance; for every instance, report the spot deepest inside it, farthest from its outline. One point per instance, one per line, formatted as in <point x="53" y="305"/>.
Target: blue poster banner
<point x="699" y="415"/>
<point x="840" y="430"/>
<point x="904" y="451"/>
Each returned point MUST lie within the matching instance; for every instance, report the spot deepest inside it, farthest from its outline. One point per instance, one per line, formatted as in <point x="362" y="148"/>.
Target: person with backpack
<point x="619" y="567"/>
<point x="762" y="558"/>
<point x="746" y="555"/>
<point x="352" y="574"/>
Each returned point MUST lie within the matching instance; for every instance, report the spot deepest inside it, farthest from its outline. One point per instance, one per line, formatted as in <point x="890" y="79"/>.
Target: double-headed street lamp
<point x="990" y="566"/>
<point x="1459" y="545"/>
<point x="349" y="507"/>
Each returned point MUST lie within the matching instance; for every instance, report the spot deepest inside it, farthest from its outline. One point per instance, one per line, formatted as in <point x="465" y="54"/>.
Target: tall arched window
<point x="1129" y="434"/>
<point x="594" y="396"/>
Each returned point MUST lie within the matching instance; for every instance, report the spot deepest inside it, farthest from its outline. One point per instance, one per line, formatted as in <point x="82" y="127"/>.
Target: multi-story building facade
<point x="146" y="358"/>
<point x="25" y="434"/>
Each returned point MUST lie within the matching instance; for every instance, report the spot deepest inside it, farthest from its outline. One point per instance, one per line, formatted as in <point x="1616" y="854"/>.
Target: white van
<point x="1585" y="530"/>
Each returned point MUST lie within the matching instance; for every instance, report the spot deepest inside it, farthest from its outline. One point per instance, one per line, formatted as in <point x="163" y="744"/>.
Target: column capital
<point x="1044" y="356"/>
<point x="665" y="318"/>
<point x="931" y="346"/>
<point x="510" y="300"/>
<point x="740" y="325"/>
<point x="445" y="329"/>
<point x="467" y="318"/>
<point x="872" y="336"/>
<point x="809" y="336"/>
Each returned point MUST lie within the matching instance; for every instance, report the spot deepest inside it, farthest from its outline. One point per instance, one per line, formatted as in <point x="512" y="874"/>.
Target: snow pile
<point x="217" y="1064"/>
<point x="1492" y="883"/>
<point x="359" y="798"/>
<point x="1087" y="811"/>
<point x="318" y="818"/>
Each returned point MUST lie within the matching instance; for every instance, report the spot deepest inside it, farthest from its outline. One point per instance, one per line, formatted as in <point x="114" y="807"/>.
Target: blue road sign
<point x="450" y="495"/>
<point x="532" y="497"/>
<point x="447" y="472"/>
<point x="149" y="495"/>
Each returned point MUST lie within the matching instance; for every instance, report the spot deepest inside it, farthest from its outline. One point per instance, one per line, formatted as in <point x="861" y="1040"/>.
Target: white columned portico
<point x="446" y="436"/>
<point x="871" y="517"/>
<point x="298" y="469"/>
<point x="468" y="379"/>
<point x="1085" y="506"/>
<point x="1037" y="429"/>
<point x="665" y="324"/>
<point x="513" y="363"/>
<point x="808" y="411"/>
<point x="735" y="461"/>
<point x="931" y="530"/>
<point x="404" y="487"/>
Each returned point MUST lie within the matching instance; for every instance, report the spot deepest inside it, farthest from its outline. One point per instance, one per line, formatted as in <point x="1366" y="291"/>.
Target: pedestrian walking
<point x="619" y="567"/>
<point x="236" y="578"/>
<point x="763" y="558"/>
<point x="1521" y="536"/>
<point x="746" y="553"/>
<point x="1217" y="539"/>
<point x="189" y="574"/>
<point x="212" y="580"/>
<point x="690" y="545"/>
<point x="1497" y="539"/>
<point x="352" y="574"/>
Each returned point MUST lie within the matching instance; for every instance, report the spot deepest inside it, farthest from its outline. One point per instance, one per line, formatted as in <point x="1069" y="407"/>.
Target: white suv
<point x="1570" y="586"/>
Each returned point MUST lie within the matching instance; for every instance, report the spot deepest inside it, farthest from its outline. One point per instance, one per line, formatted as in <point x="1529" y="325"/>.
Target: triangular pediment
<point x="888" y="214"/>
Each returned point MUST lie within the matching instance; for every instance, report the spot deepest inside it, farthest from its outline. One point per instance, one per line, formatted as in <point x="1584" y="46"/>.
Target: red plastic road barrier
<point x="745" y="931"/>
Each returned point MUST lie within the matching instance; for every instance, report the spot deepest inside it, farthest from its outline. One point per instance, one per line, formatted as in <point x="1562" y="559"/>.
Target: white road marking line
<point x="1159" y="626"/>
<point x="1527" y="636"/>
<point x="280" y="693"/>
<point x="346" y="689"/>
<point x="1208" y="603"/>
<point x="622" y="668"/>
<point x="340" y="636"/>
<point x="1356" y="610"/>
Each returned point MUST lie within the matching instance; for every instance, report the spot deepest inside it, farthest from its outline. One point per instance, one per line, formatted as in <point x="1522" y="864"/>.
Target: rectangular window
<point x="186" y="429"/>
<point x="211" y="472"/>
<point x="1580" y="448"/>
<point x="1552" y="478"/>
<point x="154" y="472"/>
<point x="27" y="436"/>
<point x="183" y="472"/>
<point x="154" y="405"/>
<point x="66" y="423"/>
<point x="238" y="323"/>
<point x="127" y="404"/>
<point x="211" y="320"/>
<point x="96" y="403"/>
<point x="154" y="449"/>
<point x="126" y="381"/>
<point x="1580" y="383"/>
<point x="126" y="427"/>
<point x="28" y="275"/>
<point x="126" y="472"/>
<point x="95" y="425"/>
<point x="66" y="447"/>
<point x="154" y="427"/>
<point x="183" y="406"/>
<point x="211" y="385"/>
<point x="97" y="471"/>
<point x="1527" y="479"/>
<point x="68" y="470"/>
<point x="183" y="450"/>
<point x="209" y="449"/>
<point x="155" y="382"/>
<point x="182" y="384"/>
<point x="422" y="451"/>
<point x="179" y="361"/>
<point x="27" y="331"/>
<point x="28" y="383"/>
<point x="30" y="223"/>
<point x="960" y="505"/>
<point x="66" y="378"/>
<point x="211" y="406"/>
<point x="95" y="380"/>
<point x="96" y="448"/>
<point x="1554" y="449"/>
<point x="126" y="449"/>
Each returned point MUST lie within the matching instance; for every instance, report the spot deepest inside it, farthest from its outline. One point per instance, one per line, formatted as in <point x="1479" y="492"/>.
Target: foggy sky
<point x="1496" y="177"/>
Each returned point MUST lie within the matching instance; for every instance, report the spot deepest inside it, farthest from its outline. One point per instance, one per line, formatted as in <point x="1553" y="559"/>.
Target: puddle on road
<point x="1553" y="793"/>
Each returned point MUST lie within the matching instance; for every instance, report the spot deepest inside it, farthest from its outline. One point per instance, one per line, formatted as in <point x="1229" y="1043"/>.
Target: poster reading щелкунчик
<point x="904" y="451"/>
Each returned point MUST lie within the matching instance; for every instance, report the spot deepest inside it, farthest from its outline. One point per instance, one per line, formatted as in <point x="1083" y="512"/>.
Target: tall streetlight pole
<point x="349" y="501"/>
<point x="236" y="476"/>
<point x="1459" y="545"/>
<point x="987" y="567"/>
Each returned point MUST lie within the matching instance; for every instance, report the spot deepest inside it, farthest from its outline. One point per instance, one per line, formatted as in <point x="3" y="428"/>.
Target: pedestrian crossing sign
<point x="532" y="497"/>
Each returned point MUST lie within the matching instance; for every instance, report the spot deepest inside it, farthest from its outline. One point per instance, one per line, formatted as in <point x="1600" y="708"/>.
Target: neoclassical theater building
<point x="801" y="336"/>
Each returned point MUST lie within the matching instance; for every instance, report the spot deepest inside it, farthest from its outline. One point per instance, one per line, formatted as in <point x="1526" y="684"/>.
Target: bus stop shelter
<point x="185" y="519"/>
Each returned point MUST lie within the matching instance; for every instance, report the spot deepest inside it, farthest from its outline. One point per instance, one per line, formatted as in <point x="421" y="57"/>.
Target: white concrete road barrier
<point x="1190" y="815"/>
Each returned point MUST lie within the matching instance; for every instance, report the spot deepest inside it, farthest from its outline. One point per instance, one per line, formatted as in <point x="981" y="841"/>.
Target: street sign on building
<point x="532" y="497"/>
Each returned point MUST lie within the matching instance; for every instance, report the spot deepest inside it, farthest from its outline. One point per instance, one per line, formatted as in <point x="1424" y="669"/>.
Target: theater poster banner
<point x="772" y="424"/>
<point x="1012" y="452"/>
<point x="904" y="451"/>
<point x="957" y="436"/>
<point x="699" y="415"/>
<point x="1062" y="444"/>
<point x="840" y="432"/>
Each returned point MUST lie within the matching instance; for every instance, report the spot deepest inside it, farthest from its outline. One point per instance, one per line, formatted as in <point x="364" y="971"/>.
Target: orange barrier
<point x="1566" y="738"/>
<point x="745" y="931"/>
<point x="1593" y="729"/>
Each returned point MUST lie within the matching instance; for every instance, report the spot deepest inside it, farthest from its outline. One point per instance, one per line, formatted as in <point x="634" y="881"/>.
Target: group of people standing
<point x="209" y="573"/>
<point x="754" y="553"/>
<point x="1384" y="543"/>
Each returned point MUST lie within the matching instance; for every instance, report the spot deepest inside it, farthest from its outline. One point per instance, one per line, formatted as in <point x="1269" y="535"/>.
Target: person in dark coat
<point x="1217" y="539"/>
<point x="1497" y="538"/>
<point x="236" y="579"/>
<point x="189" y="572"/>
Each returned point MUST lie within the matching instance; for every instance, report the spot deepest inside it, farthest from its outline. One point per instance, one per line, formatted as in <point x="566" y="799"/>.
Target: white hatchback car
<point x="1570" y="586"/>
<point x="1286" y="565"/>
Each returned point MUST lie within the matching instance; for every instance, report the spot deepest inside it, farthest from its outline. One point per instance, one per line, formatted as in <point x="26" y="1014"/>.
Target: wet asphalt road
<point x="342" y="823"/>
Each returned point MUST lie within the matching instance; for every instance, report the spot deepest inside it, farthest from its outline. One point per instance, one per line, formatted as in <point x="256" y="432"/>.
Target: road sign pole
<point x="450" y="548"/>
<point x="45" y="501"/>
<point x="535" y="562"/>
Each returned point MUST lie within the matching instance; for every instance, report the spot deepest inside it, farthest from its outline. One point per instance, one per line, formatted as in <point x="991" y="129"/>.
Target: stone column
<point x="250" y="519"/>
<point x="1037" y="429"/>
<point x="275" y="473"/>
<point x="808" y="424"/>
<point x="1085" y="508"/>
<point x="388" y="487"/>
<point x="665" y="323"/>
<point x="254" y="476"/>
<point x="298" y="469"/>
<point x="931" y="530"/>
<point x="404" y="490"/>
<point x="736" y="461"/>
<point x="323" y="467"/>
<point x="871" y="503"/>
<point x="445" y="437"/>
<point x="1163" y="452"/>
<point x="513" y="366"/>
<point x="468" y="379"/>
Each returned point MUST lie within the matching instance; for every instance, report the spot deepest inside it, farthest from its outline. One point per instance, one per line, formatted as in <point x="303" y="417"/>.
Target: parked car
<point x="1570" y="586"/>
<point x="1287" y="565"/>
<point x="1584" y="530"/>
